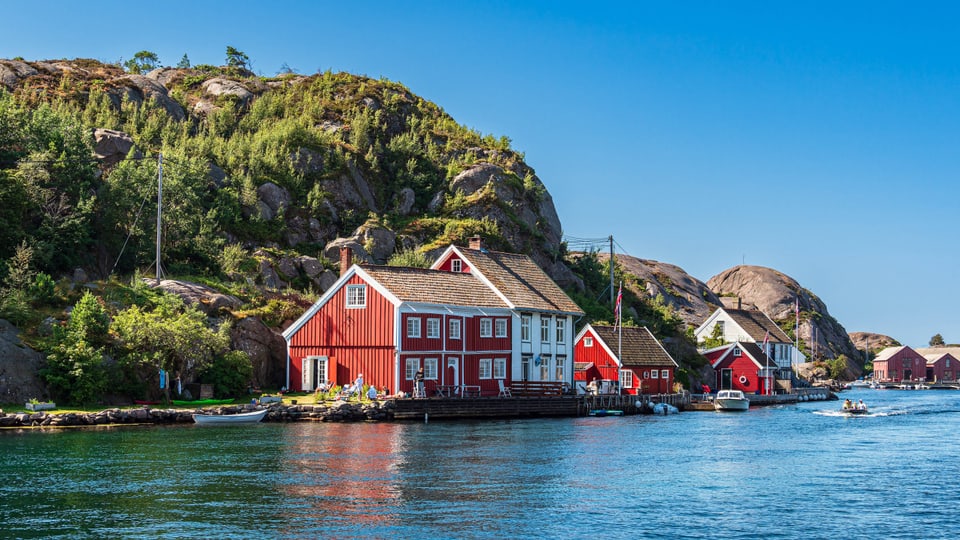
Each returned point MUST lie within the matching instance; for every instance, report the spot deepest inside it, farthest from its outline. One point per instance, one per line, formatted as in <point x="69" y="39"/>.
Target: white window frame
<point x="356" y="296"/>
<point x="626" y="379"/>
<point x="410" y="367"/>
<point x="561" y="331"/>
<point x="433" y="328"/>
<point x="486" y="327"/>
<point x="665" y="374"/>
<point x="654" y="374"/>
<point x="736" y="351"/>
<point x="545" y="360"/>
<point x="413" y="327"/>
<point x="454" y="332"/>
<point x="430" y="368"/>
<point x="525" y="322"/>
<point x="499" y="368"/>
<point x="560" y="360"/>
<point x="485" y="370"/>
<point x="545" y="330"/>
<point x="456" y="265"/>
<point x="646" y="374"/>
<point x="500" y="328"/>
<point x="588" y="341"/>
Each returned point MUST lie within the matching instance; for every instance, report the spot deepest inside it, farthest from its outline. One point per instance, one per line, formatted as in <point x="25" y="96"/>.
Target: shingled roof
<point x="756" y="324"/>
<point x="524" y="284"/>
<point x="757" y="353"/>
<point x="637" y="345"/>
<point x="419" y="285"/>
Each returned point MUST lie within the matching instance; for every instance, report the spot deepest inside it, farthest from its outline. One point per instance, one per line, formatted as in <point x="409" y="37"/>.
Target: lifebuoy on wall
<point x="743" y="379"/>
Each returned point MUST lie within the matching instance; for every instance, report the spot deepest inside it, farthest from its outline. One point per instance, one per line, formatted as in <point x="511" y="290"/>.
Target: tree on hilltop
<point x="937" y="341"/>
<point x="237" y="58"/>
<point x="142" y="62"/>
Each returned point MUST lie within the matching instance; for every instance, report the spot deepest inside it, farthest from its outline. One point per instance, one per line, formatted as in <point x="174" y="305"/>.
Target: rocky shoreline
<point x="337" y="411"/>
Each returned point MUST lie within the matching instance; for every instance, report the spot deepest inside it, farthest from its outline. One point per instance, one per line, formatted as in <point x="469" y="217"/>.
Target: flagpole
<point x="620" y="339"/>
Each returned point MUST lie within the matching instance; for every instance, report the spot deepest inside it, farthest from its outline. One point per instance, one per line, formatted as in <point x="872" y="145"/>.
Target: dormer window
<point x="456" y="265"/>
<point x="736" y="351"/>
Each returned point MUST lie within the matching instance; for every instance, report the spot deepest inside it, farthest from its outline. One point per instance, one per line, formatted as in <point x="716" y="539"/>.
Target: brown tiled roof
<point x="637" y="345"/>
<point x="434" y="286"/>
<point x="755" y="350"/>
<point x="521" y="281"/>
<point x="756" y="325"/>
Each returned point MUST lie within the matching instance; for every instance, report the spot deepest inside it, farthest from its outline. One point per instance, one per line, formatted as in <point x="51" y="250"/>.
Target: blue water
<point x="800" y="471"/>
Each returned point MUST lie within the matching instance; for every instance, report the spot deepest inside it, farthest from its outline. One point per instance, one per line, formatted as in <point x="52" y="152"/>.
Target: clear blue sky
<point x="816" y="138"/>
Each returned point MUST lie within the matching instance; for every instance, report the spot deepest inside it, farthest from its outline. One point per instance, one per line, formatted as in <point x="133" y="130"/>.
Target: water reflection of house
<point x="646" y="366"/>
<point x="895" y="364"/>
<point x="742" y="366"/>
<point x="474" y="318"/>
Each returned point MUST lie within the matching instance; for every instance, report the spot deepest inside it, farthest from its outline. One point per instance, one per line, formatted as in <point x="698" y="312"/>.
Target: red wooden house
<point x="742" y="366"/>
<point x="644" y="366"/>
<point x="941" y="367"/>
<point x="895" y="364"/>
<point x="468" y="323"/>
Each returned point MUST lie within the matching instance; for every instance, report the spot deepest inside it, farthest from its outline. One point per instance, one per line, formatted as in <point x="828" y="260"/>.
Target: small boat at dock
<point x="251" y="417"/>
<point x="731" y="400"/>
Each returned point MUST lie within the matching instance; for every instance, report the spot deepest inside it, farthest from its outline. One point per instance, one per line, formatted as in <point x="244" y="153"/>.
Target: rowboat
<point x="239" y="418"/>
<point x="605" y="412"/>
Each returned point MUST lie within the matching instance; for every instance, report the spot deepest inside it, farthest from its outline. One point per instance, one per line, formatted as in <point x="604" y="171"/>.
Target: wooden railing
<point x="536" y="388"/>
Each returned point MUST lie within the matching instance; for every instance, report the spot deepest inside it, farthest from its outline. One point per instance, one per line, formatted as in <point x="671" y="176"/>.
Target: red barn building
<point x="896" y="364"/>
<point x="742" y="366"/>
<point x="469" y="322"/>
<point x="941" y="363"/>
<point x="644" y="366"/>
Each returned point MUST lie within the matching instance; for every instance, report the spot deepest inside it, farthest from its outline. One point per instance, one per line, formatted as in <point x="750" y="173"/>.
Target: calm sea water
<point x="791" y="472"/>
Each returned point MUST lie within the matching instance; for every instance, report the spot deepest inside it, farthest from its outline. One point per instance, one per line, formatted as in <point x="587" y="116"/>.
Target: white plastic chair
<point x="504" y="391"/>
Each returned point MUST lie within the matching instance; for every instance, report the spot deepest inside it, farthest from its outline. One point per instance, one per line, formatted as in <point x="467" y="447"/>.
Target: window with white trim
<point x="430" y="368"/>
<point x="736" y="351"/>
<point x="501" y="327"/>
<point x="654" y="374"/>
<point x="410" y="367"/>
<point x="486" y="327"/>
<point x="356" y="296"/>
<point x="486" y="368"/>
<point x="454" y="329"/>
<point x="588" y="341"/>
<point x="413" y="327"/>
<point x="561" y="330"/>
<point x="545" y="329"/>
<point x="499" y="368"/>
<point x="561" y="362"/>
<point x="525" y="321"/>
<point x="545" y="360"/>
<point x="646" y="374"/>
<point x="456" y="265"/>
<point x="664" y="374"/>
<point x="626" y="379"/>
<point x="433" y="328"/>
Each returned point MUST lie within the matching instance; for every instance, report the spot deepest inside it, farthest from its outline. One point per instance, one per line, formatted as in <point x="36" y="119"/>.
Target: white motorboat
<point x="238" y="418"/>
<point x="731" y="400"/>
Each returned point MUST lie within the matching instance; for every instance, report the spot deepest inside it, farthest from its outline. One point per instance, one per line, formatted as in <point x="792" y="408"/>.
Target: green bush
<point x="229" y="374"/>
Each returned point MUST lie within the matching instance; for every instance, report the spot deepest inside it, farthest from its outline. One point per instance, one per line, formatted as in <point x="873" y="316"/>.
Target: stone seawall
<point x="337" y="411"/>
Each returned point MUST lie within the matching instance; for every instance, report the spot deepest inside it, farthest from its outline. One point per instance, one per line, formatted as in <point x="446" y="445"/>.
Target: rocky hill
<point x="691" y="299"/>
<point x="872" y="342"/>
<point x="775" y="294"/>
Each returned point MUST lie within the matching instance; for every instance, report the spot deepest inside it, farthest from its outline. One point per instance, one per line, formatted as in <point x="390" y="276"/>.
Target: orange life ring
<point x="743" y="379"/>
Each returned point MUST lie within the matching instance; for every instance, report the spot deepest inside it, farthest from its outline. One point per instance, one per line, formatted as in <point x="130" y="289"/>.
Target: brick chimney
<point x="476" y="243"/>
<point x="346" y="256"/>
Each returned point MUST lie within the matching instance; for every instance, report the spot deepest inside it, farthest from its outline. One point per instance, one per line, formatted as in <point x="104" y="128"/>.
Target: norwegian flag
<point x="766" y="341"/>
<point x="616" y="309"/>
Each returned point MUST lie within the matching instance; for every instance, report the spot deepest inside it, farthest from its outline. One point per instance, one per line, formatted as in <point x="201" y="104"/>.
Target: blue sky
<point x="816" y="138"/>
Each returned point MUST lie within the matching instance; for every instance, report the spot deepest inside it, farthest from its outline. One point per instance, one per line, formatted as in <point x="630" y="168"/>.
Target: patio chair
<point x="504" y="391"/>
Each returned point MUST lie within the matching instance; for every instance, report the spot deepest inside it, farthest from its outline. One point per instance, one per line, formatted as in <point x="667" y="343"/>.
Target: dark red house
<point x="896" y="364"/>
<point x="742" y="366"/>
<point x="645" y="367"/>
<point x="941" y="367"/>
<point x="475" y="319"/>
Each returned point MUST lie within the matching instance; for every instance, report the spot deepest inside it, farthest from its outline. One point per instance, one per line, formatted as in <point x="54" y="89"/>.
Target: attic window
<point x="736" y="351"/>
<point x="588" y="342"/>
<point x="356" y="296"/>
<point x="456" y="265"/>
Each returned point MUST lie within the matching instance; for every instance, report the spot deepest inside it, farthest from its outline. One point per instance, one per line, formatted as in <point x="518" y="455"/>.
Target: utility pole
<point x="613" y="300"/>
<point x="159" y="210"/>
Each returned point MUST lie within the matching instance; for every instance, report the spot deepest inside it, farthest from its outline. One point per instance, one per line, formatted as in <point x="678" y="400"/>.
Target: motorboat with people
<point x="851" y="408"/>
<point x="731" y="400"/>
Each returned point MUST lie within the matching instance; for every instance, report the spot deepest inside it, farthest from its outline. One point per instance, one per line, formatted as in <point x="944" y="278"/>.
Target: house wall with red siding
<point x="606" y="367"/>
<point x="422" y="343"/>
<point x="945" y="368"/>
<point x="474" y="342"/>
<point x="892" y="369"/>
<point x="451" y="344"/>
<point x="741" y="366"/>
<point x="466" y="373"/>
<point x="643" y="377"/>
<point x="447" y="265"/>
<point x="360" y="340"/>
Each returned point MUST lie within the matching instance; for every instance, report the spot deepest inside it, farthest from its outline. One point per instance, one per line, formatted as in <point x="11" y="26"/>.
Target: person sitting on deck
<point x="372" y="393"/>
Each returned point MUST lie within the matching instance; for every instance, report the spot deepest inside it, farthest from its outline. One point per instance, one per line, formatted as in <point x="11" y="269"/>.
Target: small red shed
<point x="742" y="366"/>
<point x="644" y="366"/>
